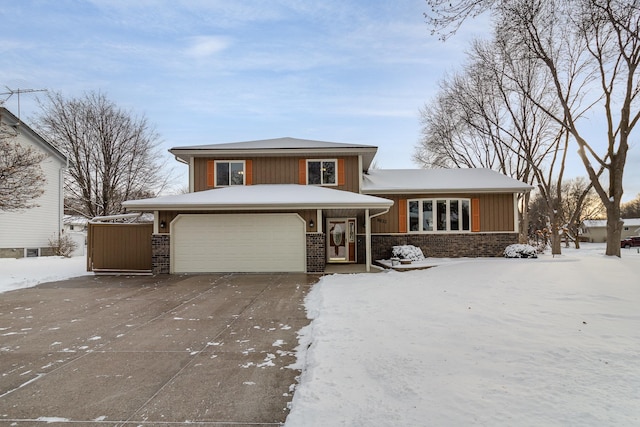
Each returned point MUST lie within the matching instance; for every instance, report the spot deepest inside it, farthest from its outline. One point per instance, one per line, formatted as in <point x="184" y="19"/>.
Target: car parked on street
<point x="630" y="242"/>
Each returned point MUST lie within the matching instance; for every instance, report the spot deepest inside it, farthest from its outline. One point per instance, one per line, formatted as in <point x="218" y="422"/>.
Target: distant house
<point x="75" y="223"/>
<point x="595" y="230"/>
<point x="27" y="233"/>
<point x="295" y="205"/>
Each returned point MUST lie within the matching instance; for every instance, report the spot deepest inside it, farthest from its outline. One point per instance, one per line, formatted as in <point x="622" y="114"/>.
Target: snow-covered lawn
<point x="27" y="272"/>
<point x="494" y="342"/>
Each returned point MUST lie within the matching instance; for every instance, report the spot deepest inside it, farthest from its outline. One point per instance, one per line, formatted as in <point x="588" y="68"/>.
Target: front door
<point x="341" y="240"/>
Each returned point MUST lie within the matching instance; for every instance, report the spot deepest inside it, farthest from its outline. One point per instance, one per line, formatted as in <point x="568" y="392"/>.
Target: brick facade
<point x="432" y="245"/>
<point x="445" y="245"/>
<point x="160" y="253"/>
<point x="316" y="257"/>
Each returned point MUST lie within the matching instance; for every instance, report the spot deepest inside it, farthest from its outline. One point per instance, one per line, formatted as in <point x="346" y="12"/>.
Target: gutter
<point x="114" y="217"/>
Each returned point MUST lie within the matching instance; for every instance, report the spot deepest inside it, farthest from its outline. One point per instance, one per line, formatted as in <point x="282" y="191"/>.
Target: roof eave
<point x="445" y="190"/>
<point x="187" y="153"/>
<point x="254" y="207"/>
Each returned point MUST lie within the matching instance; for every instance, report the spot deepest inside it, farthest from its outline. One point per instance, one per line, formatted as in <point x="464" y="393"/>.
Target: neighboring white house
<point x="75" y="227"/>
<point x="27" y="232"/>
<point x="595" y="230"/>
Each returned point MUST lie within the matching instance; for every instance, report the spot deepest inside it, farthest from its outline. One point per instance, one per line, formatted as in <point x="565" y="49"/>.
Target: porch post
<point x="156" y="221"/>
<point x="367" y="232"/>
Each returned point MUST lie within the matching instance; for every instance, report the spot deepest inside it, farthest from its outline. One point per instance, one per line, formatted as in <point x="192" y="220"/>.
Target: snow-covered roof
<point x="596" y="223"/>
<point x="262" y="197"/>
<point x="386" y="181"/>
<point x="277" y="146"/>
<point x="75" y="220"/>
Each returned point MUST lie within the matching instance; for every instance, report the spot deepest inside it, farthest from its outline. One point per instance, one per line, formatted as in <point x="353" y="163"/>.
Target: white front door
<point x="341" y="240"/>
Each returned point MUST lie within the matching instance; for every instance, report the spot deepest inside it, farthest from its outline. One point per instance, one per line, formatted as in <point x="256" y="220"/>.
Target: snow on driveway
<point x="499" y="342"/>
<point x="27" y="272"/>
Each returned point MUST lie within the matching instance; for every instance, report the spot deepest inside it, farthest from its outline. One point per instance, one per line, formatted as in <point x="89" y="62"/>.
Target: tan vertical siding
<point x="279" y="170"/>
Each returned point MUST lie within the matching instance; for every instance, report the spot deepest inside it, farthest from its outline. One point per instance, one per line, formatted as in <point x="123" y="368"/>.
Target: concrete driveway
<point x="169" y="350"/>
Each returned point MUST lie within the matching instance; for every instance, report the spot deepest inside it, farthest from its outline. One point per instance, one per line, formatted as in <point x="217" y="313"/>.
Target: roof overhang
<point x="276" y="147"/>
<point x="266" y="197"/>
<point x="440" y="181"/>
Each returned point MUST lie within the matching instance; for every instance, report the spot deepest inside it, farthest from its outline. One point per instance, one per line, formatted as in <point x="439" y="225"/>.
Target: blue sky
<point x="208" y="71"/>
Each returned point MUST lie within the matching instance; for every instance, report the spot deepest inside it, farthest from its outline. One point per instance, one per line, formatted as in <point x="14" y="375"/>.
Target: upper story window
<point x="230" y="173"/>
<point x="322" y="172"/>
<point x="439" y="215"/>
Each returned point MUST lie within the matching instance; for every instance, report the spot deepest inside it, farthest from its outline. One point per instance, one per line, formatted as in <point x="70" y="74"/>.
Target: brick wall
<point x="315" y="252"/>
<point x="160" y="253"/>
<point x="445" y="245"/>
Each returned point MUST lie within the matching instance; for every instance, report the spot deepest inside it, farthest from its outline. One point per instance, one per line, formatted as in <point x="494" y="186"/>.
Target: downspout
<point x="367" y="231"/>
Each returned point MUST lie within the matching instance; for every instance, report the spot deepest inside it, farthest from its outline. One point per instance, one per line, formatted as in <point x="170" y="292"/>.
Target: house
<point x="295" y="205"/>
<point x="26" y="233"/>
<point x="595" y="230"/>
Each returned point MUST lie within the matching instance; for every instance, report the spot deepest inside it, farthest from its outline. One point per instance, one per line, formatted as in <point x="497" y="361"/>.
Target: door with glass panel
<point x="341" y="240"/>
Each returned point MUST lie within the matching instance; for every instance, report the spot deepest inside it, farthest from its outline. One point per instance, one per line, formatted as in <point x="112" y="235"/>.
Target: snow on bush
<point x="407" y="252"/>
<point x="520" y="251"/>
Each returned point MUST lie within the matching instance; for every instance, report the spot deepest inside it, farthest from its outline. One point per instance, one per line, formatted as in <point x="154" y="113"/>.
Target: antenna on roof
<point x="12" y="92"/>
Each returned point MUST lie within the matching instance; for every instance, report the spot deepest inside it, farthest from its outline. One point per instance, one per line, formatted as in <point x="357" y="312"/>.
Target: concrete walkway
<point x="200" y="350"/>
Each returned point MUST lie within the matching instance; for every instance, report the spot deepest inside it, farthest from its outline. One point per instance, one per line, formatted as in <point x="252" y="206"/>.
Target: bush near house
<point x="520" y="251"/>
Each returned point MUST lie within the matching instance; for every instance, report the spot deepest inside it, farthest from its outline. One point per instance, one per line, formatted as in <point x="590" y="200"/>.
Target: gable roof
<point x="10" y="119"/>
<point x="388" y="181"/>
<point x="262" y="197"/>
<point x="277" y="146"/>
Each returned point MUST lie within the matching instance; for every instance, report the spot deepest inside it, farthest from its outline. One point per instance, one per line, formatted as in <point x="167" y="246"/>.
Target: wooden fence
<point x="113" y="248"/>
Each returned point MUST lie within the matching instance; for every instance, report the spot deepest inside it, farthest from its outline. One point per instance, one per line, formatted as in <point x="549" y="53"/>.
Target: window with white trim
<point x="439" y="215"/>
<point x="229" y="173"/>
<point x="322" y="172"/>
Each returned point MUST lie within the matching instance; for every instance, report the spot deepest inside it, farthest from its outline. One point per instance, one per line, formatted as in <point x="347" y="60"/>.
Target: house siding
<point x="32" y="228"/>
<point x="279" y="170"/>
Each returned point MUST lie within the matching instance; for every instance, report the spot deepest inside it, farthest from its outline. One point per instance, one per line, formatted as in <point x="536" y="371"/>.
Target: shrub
<point x="407" y="252"/>
<point x="63" y="245"/>
<point x="520" y="251"/>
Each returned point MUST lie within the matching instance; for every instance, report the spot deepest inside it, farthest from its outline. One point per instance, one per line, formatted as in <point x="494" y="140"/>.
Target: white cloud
<point x="205" y="46"/>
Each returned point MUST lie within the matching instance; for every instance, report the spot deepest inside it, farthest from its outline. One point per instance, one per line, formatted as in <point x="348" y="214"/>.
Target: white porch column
<point x="156" y="228"/>
<point x="367" y="232"/>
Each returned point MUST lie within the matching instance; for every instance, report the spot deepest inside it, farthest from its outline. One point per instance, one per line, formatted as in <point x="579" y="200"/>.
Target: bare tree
<point x="21" y="177"/>
<point x="591" y="51"/>
<point x="631" y="209"/>
<point x="580" y="203"/>
<point x="113" y="154"/>
<point x="480" y="119"/>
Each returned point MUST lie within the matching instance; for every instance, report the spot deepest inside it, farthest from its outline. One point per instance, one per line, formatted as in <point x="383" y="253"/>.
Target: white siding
<point x="32" y="228"/>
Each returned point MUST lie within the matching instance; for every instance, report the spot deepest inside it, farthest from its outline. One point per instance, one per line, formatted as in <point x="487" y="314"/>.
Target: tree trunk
<point x="614" y="229"/>
<point x="556" y="243"/>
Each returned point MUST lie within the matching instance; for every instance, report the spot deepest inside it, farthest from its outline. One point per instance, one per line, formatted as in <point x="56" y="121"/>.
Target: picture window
<point x="439" y="215"/>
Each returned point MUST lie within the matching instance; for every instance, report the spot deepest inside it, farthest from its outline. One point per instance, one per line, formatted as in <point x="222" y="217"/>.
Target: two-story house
<point x="295" y="205"/>
<point x="27" y="232"/>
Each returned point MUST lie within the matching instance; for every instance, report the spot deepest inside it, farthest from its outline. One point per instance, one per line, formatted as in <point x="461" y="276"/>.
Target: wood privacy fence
<point x="113" y="248"/>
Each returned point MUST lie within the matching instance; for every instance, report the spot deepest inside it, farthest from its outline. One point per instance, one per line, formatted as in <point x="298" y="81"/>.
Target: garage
<point x="217" y="243"/>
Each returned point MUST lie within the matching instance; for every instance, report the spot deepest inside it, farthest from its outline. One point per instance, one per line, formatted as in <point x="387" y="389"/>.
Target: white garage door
<point x="238" y="243"/>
